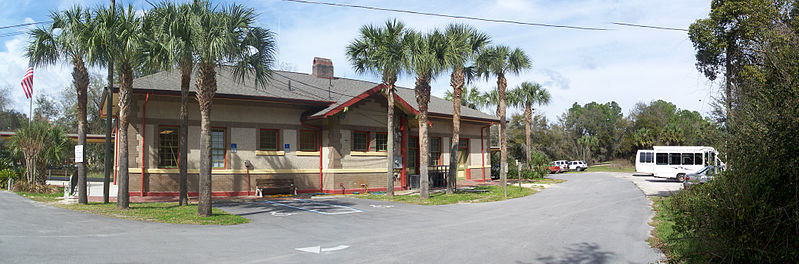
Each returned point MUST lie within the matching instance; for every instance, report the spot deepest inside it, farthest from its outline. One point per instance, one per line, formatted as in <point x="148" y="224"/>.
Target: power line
<point x="651" y="27"/>
<point x="445" y="15"/>
<point x="25" y="24"/>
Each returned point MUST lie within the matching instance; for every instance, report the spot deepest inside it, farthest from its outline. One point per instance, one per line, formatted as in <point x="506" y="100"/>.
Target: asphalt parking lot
<point x="592" y="218"/>
<point x="650" y="185"/>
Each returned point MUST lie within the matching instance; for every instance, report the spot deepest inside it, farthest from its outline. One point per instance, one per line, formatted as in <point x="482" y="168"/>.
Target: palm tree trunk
<point x="185" y="80"/>
<point x="390" y="141"/>
<point x="125" y="102"/>
<point x="423" y="98"/>
<point x="109" y="153"/>
<point x="528" y="112"/>
<point x="456" y="81"/>
<point x="206" y="89"/>
<point x="80" y="78"/>
<point x="503" y="137"/>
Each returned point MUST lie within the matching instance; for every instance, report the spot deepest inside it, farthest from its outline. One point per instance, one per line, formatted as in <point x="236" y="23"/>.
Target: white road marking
<point x="319" y="249"/>
<point x="380" y="206"/>
<point x="316" y="207"/>
<point x="282" y="214"/>
<point x="316" y="249"/>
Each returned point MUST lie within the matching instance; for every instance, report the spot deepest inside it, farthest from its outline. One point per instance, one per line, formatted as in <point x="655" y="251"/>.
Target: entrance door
<point x="463" y="155"/>
<point x="413" y="155"/>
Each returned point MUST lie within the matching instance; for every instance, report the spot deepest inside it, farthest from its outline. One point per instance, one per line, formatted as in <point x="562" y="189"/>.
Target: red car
<point x="554" y="168"/>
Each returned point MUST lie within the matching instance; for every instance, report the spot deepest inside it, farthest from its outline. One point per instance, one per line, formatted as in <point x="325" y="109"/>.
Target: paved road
<point x="591" y="218"/>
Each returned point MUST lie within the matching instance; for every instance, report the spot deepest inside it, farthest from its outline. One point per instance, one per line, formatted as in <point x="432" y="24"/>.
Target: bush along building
<point x="326" y="133"/>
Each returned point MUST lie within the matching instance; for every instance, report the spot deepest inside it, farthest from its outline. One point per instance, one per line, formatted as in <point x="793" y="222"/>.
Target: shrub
<point x="6" y="174"/>
<point x="36" y="188"/>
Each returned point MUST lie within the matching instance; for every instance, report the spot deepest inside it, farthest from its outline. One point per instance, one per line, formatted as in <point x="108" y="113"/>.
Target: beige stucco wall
<point x="243" y="121"/>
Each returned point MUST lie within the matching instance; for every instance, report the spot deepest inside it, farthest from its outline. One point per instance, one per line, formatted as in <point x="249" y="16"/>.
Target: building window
<point x="308" y="141"/>
<point x="360" y="141"/>
<point x="381" y="141"/>
<point x="218" y="149"/>
<point x="463" y="144"/>
<point x="168" y="151"/>
<point x="269" y="139"/>
<point x="435" y="151"/>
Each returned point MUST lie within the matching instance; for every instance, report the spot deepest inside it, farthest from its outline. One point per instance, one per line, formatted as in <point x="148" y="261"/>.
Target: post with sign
<point x="79" y="162"/>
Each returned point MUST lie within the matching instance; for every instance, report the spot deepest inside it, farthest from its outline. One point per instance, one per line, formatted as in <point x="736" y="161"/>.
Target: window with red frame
<point x="360" y="141"/>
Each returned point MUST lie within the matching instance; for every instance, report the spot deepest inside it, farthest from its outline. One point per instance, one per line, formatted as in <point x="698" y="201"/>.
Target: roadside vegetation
<point x="749" y="213"/>
<point x="480" y="194"/>
<point x="170" y="213"/>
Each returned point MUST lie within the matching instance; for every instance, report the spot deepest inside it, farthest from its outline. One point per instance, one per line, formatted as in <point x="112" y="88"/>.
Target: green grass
<point x="664" y="236"/>
<point x="159" y="212"/>
<point x="42" y="197"/>
<point x="545" y="181"/>
<point x="95" y="174"/>
<point x="495" y="193"/>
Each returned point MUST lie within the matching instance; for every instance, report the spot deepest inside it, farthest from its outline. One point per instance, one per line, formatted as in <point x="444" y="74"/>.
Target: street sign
<point x="233" y="148"/>
<point x="78" y="153"/>
<point x="286" y="147"/>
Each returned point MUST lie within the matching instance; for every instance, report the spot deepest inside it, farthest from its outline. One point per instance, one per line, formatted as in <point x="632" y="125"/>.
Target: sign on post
<point x="78" y="153"/>
<point x="233" y="148"/>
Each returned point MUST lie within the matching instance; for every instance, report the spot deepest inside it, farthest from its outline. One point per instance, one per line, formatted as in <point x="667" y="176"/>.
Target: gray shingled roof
<point x="300" y="87"/>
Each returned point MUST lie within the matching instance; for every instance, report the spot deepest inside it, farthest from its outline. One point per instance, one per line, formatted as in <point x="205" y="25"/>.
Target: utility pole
<point x="109" y="162"/>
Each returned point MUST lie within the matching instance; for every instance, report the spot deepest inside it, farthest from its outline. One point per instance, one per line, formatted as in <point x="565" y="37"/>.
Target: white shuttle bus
<point x="675" y="161"/>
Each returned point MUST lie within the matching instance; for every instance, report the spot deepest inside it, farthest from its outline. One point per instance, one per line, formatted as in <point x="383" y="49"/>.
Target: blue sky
<point x="624" y="64"/>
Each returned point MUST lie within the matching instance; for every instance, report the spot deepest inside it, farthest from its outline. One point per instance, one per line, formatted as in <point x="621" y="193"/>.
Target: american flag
<point x="27" y="82"/>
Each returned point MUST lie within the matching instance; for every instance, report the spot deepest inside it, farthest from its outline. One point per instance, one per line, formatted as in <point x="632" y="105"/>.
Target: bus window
<point x="697" y="158"/>
<point x="642" y="157"/>
<point x="712" y="159"/>
<point x="674" y="159"/>
<point x="650" y="157"/>
<point x="688" y="159"/>
<point x="662" y="158"/>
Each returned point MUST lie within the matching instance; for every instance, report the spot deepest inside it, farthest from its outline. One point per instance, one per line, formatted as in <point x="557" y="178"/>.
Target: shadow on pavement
<point x="660" y="180"/>
<point x="579" y="253"/>
<point x="284" y="206"/>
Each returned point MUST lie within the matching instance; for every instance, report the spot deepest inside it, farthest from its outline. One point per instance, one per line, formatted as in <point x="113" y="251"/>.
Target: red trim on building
<point x="354" y="100"/>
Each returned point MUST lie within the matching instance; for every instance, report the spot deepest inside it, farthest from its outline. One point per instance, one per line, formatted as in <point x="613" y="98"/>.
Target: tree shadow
<point x="578" y="253"/>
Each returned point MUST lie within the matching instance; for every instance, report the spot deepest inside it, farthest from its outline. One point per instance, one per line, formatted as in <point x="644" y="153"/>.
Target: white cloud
<point x="50" y="80"/>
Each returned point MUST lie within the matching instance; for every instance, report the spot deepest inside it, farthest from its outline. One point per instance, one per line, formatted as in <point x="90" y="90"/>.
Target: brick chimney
<point x="322" y="68"/>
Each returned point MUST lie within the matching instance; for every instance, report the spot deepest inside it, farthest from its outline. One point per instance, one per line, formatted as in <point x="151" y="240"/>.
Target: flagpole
<point x="30" y="115"/>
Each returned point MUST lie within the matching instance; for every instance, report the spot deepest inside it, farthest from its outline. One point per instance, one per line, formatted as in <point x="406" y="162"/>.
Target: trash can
<point x="413" y="181"/>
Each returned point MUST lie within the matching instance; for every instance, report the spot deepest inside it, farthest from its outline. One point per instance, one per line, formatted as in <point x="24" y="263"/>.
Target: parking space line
<point x="350" y="210"/>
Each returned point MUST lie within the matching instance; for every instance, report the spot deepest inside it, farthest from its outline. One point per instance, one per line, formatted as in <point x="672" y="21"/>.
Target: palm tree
<point x="383" y="51"/>
<point x="526" y="95"/>
<point x="50" y="45"/>
<point x="426" y="61"/>
<point x="225" y="37"/>
<point x="499" y="61"/>
<point x="461" y="44"/>
<point x="121" y="30"/>
<point x="171" y="45"/>
<point x="471" y="98"/>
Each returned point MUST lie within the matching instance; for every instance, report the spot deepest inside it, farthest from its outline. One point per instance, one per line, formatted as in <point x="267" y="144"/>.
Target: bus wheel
<point x="681" y="177"/>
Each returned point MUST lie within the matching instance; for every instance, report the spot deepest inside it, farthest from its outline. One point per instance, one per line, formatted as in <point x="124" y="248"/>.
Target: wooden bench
<point x="275" y="186"/>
